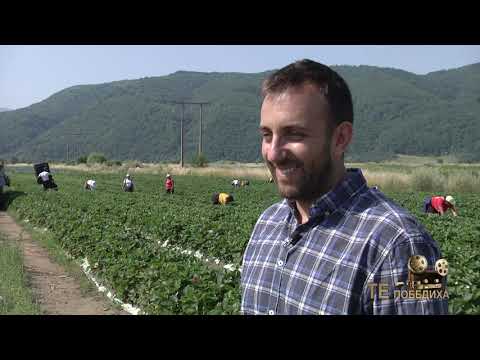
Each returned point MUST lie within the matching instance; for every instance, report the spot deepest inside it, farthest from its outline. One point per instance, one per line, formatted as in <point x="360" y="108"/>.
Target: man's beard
<point x="316" y="179"/>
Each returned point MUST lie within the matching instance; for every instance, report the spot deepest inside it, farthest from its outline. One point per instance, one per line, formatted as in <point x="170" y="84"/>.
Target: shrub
<point x="82" y="160"/>
<point x="199" y="161"/>
<point x="114" y="163"/>
<point x="96" y="158"/>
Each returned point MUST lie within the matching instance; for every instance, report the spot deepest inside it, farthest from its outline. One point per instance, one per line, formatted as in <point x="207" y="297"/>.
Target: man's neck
<point x="303" y="206"/>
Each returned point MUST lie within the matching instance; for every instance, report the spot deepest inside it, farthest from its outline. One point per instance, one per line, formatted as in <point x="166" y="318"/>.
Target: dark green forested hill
<point x="395" y="112"/>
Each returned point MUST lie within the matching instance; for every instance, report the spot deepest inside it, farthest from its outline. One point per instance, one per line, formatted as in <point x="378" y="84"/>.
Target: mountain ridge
<point x="395" y="112"/>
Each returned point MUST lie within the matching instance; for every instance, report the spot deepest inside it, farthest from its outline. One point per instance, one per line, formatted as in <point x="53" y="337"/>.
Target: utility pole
<point x="200" y="132"/>
<point x="183" y="103"/>
<point x="181" y="135"/>
<point x="71" y="150"/>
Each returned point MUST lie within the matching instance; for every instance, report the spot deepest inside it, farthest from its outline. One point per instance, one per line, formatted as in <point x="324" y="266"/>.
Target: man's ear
<point x="342" y="136"/>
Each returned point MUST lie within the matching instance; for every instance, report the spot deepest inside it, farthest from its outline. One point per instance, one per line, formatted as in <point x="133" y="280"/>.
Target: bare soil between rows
<point x="54" y="289"/>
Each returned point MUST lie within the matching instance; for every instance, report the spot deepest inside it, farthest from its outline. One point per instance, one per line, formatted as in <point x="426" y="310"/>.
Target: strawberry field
<point x="132" y="240"/>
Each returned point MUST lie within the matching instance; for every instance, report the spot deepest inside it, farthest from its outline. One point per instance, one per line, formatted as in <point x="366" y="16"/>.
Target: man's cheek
<point x="265" y="152"/>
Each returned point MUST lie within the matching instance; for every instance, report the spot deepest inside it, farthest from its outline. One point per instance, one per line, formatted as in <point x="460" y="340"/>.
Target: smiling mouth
<point x="287" y="171"/>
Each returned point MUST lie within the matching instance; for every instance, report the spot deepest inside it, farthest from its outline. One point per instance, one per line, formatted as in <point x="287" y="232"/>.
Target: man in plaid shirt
<point x="333" y="242"/>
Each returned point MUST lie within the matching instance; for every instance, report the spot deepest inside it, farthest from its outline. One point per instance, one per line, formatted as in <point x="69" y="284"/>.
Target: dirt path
<point x="56" y="292"/>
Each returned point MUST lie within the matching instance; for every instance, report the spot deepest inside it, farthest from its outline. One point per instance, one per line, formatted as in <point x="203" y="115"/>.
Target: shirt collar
<point x="352" y="183"/>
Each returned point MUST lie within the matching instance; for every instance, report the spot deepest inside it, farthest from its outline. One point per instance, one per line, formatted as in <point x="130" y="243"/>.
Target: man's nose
<point x="275" y="151"/>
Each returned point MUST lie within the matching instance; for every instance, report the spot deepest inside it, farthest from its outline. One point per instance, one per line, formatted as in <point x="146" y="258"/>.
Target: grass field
<point x="15" y="296"/>
<point x="122" y="235"/>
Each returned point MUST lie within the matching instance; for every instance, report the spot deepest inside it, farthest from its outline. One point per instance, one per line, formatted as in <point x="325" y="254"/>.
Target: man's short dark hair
<point x="306" y="71"/>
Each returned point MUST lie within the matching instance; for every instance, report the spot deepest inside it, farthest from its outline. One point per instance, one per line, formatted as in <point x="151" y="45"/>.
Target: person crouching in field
<point x="240" y="183"/>
<point x="90" y="185"/>
<point x="46" y="179"/>
<point x="169" y="184"/>
<point x="439" y="205"/>
<point x="222" y="198"/>
<point x="127" y="184"/>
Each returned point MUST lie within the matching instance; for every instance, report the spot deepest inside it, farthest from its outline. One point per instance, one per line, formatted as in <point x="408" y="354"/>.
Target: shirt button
<point x="280" y="263"/>
<point x="327" y="213"/>
<point x="271" y="312"/>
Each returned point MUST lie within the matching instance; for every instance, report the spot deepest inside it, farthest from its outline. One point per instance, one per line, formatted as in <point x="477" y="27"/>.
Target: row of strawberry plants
<point x="187" y="218"/>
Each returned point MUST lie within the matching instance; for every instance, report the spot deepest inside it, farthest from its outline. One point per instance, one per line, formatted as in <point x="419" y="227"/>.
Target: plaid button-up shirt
<point x="355" y="236"/>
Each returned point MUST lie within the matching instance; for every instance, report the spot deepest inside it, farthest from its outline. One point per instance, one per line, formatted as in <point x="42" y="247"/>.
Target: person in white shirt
<point x="44" y="175"/>
<point x="46" y="179"/>
<point x="127" y="184"/>
<point x="90" y="185"/>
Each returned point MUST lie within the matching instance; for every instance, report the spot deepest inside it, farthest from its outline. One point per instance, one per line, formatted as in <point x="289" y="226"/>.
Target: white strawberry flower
<point x="229" y="267"/>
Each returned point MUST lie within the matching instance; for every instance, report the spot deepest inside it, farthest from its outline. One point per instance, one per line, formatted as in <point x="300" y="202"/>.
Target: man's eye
<point x="266" y="135"/>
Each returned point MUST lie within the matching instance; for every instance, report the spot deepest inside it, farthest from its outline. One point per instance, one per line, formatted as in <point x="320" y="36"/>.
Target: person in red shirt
<point x="169" y="185"/>
<point x="440" y="205"/>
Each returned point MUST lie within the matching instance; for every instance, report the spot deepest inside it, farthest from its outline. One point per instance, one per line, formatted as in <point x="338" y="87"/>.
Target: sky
<point x="32" y="73"/>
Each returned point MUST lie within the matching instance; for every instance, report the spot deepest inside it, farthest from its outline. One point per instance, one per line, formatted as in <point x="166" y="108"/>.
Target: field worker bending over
<point x="240" y="183"/>
<point x="90" y="185"/>
<point x="222" y="198"/>
<point x="169" y="184"/>
<point x="46" y="179"/>
<point x="323" y="247"/>
<point x="439" y="205"/>
<point x="127" y="184"/>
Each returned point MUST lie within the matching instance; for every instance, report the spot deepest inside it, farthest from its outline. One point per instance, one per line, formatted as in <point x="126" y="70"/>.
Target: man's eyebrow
<point x="295" y="128"/>
<point x="286" y="128"/>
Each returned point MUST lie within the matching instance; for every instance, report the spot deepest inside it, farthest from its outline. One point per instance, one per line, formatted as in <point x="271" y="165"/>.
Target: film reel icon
<point x="441" y="267"/>
<point x="417" y="264"/>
